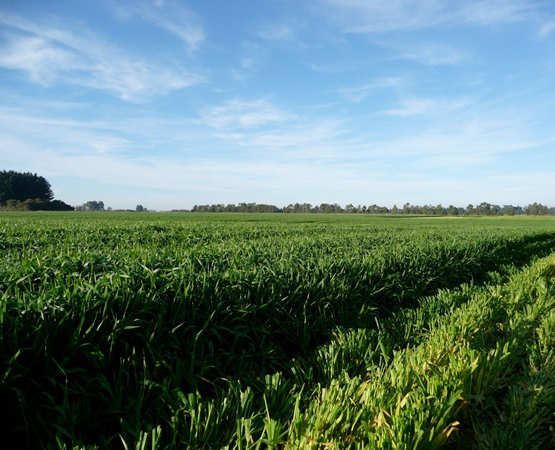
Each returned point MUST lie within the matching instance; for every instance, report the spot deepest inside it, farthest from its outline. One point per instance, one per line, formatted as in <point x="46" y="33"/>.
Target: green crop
<point x="254" y="331"/>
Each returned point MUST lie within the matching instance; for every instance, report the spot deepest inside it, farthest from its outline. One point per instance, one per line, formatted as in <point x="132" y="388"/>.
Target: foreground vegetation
<point x="251" y="331"/>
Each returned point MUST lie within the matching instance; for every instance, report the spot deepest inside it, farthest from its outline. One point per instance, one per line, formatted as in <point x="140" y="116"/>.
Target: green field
<point x="171" y="330"/>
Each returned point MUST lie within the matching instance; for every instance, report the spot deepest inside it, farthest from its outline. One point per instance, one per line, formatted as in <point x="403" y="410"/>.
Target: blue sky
<point x="175" y="103"/>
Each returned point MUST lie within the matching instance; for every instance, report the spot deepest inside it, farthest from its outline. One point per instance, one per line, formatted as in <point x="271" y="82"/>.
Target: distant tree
<point x="439" y="210"/>
<point x="91" y="205"/>
<point x="325" y="208"/>
<point x="484" y="209"/>
<point x="22" y="186"/>
<point x="140" y="208"/>
<point x="536" y="209"/>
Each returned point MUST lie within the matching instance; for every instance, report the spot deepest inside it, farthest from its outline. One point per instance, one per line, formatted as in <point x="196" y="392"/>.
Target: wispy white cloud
<point x="37" y="57"/>
<point x="546" y="29"/>
<point x="48" y="55"/>
<point x="487" y="12"/>
<point x="269" y="155"/>
<point x="360" y="16"/>
<point x="419" y="106"/>
<point x="72" y="136"/>
<point x="374" y="16"/>
<point x="250" y="59"/>
<point x="175" y="18"/>
<point x="243" y="114"/>
<point x="185" y="181"/>
<point x="247" y="63"/>
<point x="319" y="140"/>
<point x="277" y="176"/>
<point x="277" y="32"/>
<point x="472" y="139"/>
<point x="11" y="98"/>
<point x="455" y="133"/>
<point x="331" y="68"/>
<point x="124" y="134"/>
<point x="357" y="94"/>
<point x="247" y="66"/>
<point x="433" y="54"/>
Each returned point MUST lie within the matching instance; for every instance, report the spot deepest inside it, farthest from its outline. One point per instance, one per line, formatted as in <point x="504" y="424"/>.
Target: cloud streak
<point x="357" y="94"/>
<point x="243" y="114"/>
<point x="433" y="54"/>
<point x="420" y="106"/>
<point x="173" y="17"/>
<point x="276" y="32"/>
<point x="374" y="16"/>
<point x="50" y="55"/>
<point x="546" y="29"/>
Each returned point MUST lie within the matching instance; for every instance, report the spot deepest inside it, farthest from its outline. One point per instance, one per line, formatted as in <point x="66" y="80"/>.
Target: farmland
<point x="199" y="330"/>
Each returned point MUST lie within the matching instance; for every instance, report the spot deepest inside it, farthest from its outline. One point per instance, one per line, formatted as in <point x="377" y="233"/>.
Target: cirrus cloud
<point x="49" y="55"/>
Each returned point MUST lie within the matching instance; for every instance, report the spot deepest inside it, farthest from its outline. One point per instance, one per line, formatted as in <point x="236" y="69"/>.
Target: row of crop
<point x="477" y="371"/>
<point x="103" y="342"/>
<point x="482" y="376"/>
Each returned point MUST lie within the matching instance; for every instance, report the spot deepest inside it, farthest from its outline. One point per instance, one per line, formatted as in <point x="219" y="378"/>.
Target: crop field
<point x="247" y="331"/>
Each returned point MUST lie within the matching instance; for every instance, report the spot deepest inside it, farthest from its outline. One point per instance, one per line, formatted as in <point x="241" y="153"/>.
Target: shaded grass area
<point x="478" y="373"/>
<point x="111" y="331"/>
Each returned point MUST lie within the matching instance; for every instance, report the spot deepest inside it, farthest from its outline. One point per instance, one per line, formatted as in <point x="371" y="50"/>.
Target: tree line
<point x="482" y="209"/>
<point x="98" y="205"/>
<point x="28" y="191"/>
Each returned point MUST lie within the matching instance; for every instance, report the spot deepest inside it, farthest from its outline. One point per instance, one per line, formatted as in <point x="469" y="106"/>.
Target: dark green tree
<point x="22" y="186"/>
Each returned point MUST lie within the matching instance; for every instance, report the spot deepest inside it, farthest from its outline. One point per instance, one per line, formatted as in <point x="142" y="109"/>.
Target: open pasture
<point x="171" y="330"/>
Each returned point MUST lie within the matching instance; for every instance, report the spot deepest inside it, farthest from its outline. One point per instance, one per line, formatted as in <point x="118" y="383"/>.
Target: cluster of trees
<point x="98" y="205"/>
<point x="241" y="207"/>
<point x="22" y="186"/>
<point x="537" y="209"/>
<point x="91" y="205"/>
<point x="483" y="209"/>
<point x="25" y="191"/>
